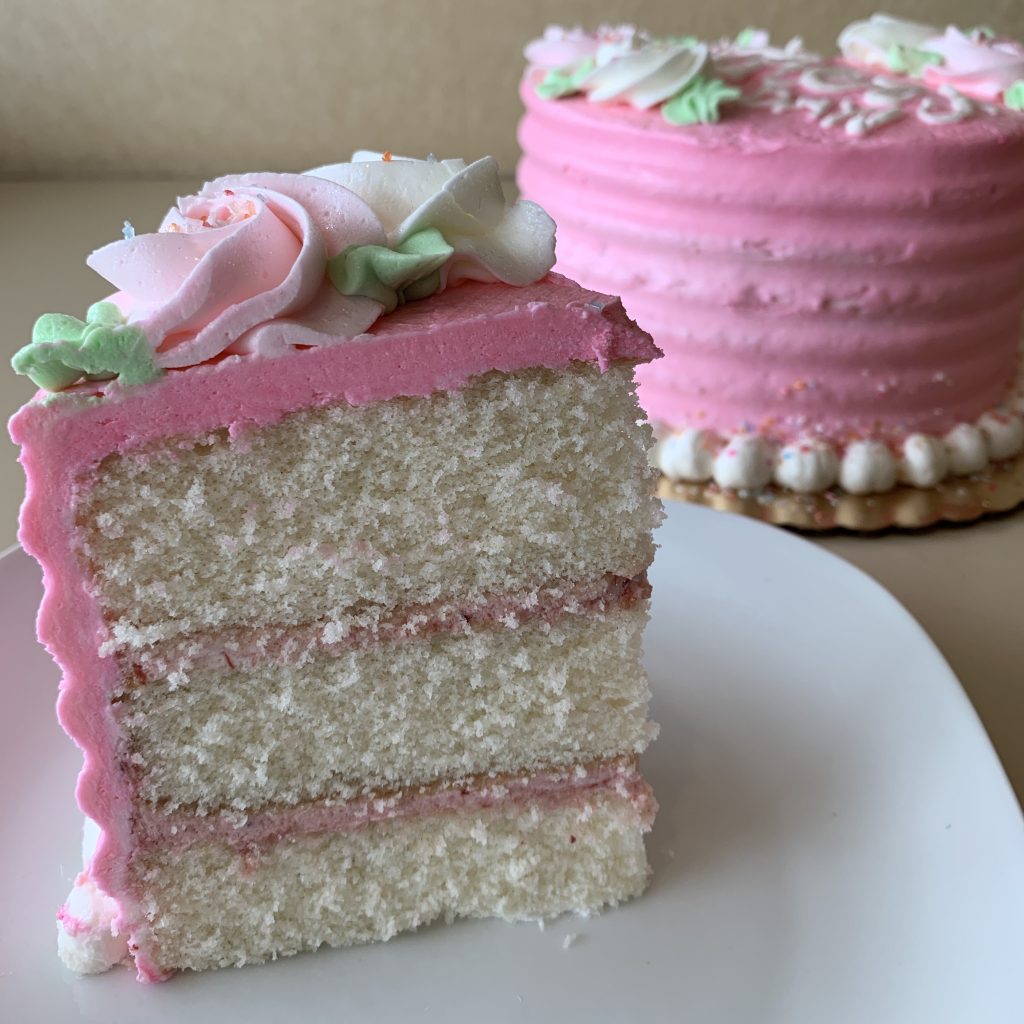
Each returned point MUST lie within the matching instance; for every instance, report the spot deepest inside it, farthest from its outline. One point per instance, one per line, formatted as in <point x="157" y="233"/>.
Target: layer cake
<point x="830" y="251"/>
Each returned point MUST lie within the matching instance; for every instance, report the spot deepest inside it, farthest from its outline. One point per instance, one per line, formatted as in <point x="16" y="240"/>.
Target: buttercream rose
<point x="261" y="263"/>
<point x="976" y="65"/>
<point x="241" y="267"/>
<point x="565" y="48"/>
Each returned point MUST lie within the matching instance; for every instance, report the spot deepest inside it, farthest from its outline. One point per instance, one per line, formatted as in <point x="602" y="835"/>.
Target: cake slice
<point x="344" y="512"/>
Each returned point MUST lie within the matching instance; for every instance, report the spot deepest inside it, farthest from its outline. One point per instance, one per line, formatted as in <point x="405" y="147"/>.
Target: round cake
<point x="830" y="251"/>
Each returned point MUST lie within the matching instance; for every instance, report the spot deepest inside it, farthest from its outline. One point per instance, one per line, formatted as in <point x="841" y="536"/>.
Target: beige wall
<point x="93" y="88"/>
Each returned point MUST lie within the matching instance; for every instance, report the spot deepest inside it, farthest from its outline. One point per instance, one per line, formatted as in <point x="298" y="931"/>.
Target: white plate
<point x="837" y="841"/>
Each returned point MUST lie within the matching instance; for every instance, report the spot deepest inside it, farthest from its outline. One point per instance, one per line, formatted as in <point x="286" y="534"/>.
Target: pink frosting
<point x="180" y="830"/>
<point x="246" y="648"/>
<point x="240" y="267"/>
<point x="440" y="343"/>
<point x="798" y="279"/>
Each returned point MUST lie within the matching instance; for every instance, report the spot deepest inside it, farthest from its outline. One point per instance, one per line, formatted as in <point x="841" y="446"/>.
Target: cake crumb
<point x="569" y="940"/>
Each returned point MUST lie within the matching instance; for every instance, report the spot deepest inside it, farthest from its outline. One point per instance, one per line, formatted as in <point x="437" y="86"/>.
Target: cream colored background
<point x="122" y="89"/>
<point x="131" y="88"/>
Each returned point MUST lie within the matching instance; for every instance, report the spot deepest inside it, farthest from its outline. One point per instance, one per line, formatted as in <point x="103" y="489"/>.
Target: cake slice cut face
<point x="350" y="628"/>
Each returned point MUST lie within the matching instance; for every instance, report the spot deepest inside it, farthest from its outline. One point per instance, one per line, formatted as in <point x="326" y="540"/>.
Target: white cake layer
<point x="209" y="906"/>
<point x="499" y="699"/>
<point x="347" y="511"/>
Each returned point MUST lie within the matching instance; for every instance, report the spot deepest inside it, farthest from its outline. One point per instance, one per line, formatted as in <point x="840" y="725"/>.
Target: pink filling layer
<point x="239" y="649"/>
<point x="181" y="829"/>
<point x="800" y="281"/>
<point x="437" y="344"/>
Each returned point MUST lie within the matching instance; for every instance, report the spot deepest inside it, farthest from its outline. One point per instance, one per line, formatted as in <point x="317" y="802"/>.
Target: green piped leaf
<point x="57" y="327"/>
<point x="1014" y="96"/>
<point x="564" y="81"/>
<point x="390" y="276"/>
<point x="65" y="350"/>
<point x="104" y="313"/>
<point x="905" y="60"/>
<point x="698" y="103"/>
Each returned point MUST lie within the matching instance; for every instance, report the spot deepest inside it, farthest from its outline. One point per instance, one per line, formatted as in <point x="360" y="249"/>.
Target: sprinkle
<point x="799" y="384"/>
<point x="229" y="192"/>
<point x="387" y="156"/>
<point x="128" y="231"/>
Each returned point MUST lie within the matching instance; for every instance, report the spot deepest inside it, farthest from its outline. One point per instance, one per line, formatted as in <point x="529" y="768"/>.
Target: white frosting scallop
<point x="924" y="461"/>
<point x="806" y="466"/>
<point x="811" y="465"/>
<point x="867" y="467"/>
<point x="87" y="938"/>
<point x="967" y="450"/>
<point x="745" y="463"/>
<point x="1004" y="434"/>
<point x="688" y="455"/>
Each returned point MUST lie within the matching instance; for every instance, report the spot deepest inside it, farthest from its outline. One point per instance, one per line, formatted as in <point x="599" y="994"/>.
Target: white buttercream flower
<point x="492" y="240"/>
<point x="647" y="77"/>
<point x="872" y="42"/>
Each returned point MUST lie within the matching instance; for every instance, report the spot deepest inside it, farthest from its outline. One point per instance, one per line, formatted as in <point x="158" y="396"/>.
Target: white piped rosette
<point x="812" y="465"/>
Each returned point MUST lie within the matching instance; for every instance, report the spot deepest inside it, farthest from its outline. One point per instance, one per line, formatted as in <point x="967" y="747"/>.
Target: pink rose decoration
<point x="981" y="68"/>
<point x="241" y="267"/>
<point x="562" y="48"/>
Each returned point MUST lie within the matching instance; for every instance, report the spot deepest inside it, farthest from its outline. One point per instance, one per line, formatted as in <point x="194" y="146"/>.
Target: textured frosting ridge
<point x="259" y="264"/>
<point x="839" y="259"/>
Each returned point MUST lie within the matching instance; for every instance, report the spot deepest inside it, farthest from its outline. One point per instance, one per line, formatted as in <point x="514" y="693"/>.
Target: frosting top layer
<point x="437" y="344"/>
<point x="257" y="264"/>
<point x="910" y="80"/>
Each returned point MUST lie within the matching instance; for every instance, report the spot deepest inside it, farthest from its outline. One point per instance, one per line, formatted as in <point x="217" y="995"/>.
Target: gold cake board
<point x="957" y="499"/>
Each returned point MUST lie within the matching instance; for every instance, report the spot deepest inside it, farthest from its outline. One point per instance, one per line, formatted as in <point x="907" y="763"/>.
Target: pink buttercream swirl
<point x="980" y="67"/>
<point x="240" y="267"/>
<point x="561" y="47"/>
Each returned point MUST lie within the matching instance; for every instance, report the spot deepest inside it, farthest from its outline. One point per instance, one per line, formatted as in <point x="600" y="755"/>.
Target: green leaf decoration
<point x="564" y="81"/>
<point x="905" y="60"/>
<point x="65" y="350"/>
<point x="747" y="36"/>
<point x="698" y="103"/>
<point x="1014" y="96"/>
<point x="409" y="271"/>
